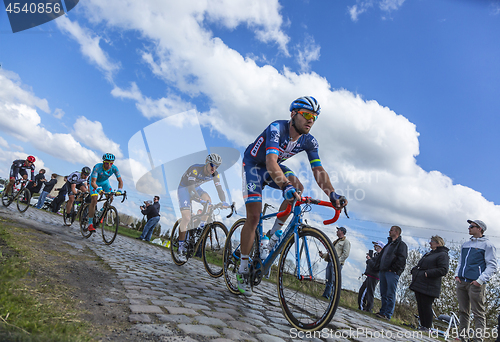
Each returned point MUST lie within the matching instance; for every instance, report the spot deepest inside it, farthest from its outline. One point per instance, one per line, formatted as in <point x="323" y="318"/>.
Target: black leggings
<point x="424" y="304"/>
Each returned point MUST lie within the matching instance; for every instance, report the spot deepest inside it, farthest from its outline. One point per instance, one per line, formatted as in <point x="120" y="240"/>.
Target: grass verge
<point x="30" y="309"/>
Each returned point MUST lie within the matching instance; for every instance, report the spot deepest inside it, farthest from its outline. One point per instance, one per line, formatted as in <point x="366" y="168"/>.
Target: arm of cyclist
<point x="120" y="186"/>
<point x="272" y="166"/>
<point x="323" y="181"/>
<point x="73" y="189"/>
<point x="93" y="183"/>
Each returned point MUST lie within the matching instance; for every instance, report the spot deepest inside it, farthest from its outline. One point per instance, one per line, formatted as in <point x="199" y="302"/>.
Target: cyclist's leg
<point x="14" y="171"/>
<point x="294" y="180"/>
<point x="71" y="196"/>
<point x="93" y="203"/>
<point x="204" y="196"/>
<point x="185" y="207"/>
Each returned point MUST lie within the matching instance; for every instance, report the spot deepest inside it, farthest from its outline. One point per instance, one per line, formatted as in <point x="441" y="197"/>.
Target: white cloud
<point x="89" y="45"/>
<point x="58" y="113"/>
<point x="3" y="143"/>
<point x="20" y="119"/>
<point x="150" y="108"/>
<point x="307" y="53"/>
<point x="92" y="134"/>
<point x="363" y="6"/>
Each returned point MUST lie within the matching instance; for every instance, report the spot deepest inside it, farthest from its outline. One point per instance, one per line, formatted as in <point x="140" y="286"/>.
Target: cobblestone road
<point x="164" y="298"/>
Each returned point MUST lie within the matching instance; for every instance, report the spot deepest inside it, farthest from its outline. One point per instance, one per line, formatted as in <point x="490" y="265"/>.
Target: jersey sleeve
<point x="312" y="153"/>
<point x="93" y="174"/>
<point x="220" y="191"/>
<point x="116" y="171"/>
<point x="273" y="133"/>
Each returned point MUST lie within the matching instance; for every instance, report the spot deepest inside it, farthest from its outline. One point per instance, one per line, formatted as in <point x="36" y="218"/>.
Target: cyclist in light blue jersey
<point x="99" y="181"/>
<point x="262" y="166"/>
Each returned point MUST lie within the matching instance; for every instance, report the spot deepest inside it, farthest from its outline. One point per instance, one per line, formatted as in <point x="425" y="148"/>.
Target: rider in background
<point x="262" y="166"/>
<point x="20" y="167"/>
<point x="189" y="189"/>
<point x="99" y="182"/>
<point x="76" y="181"/>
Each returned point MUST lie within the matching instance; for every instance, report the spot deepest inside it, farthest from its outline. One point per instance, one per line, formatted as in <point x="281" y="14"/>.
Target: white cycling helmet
<point x="214" y="158"/>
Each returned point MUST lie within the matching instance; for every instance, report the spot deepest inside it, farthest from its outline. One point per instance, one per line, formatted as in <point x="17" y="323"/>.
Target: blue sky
<point x="409" y="91"/>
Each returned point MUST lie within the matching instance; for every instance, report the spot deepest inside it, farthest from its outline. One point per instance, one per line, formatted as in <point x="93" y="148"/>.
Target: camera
<point x="370" y="253"/>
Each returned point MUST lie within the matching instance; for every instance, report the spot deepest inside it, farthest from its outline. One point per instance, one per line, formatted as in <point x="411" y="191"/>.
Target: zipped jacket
<point x="477" y="261"/>
<point x="393" y="256"/>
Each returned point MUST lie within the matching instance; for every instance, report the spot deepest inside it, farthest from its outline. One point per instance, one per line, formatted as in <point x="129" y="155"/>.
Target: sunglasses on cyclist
<point x="213" y="165"/>
<point x="309" y="116"/>
<point x="108" y="162"/>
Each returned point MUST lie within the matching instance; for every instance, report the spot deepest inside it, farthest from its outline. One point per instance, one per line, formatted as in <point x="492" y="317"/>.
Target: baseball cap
<point x="479" y="223"/>
<point x="379" y="243"/>
<point x="342" y="229"/>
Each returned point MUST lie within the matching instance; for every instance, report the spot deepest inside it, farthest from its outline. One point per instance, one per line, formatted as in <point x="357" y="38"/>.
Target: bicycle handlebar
<point x="309" y="200"/>
<point x="112" y="193"/>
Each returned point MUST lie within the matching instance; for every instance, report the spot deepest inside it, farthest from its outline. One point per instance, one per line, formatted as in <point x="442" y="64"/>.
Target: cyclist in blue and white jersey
<point x="75" y="181"/>
<point x="99" y="182"/>
<point x="262" y="166"/>
<point x="20" y="167"/>
<point x="189" y="189"/>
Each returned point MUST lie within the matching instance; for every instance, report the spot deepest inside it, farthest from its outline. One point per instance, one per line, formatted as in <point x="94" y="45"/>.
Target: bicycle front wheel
<point x="6" y="199"/>
<point x="232" y="255"/>
<point x="68" y="221"/>
<point x="174" y="244"/>
<point x="109" y="223"/>
<point x="308" y="301"/>
<point x="23" y="200"/>
<point x="212" y="250"/>
<point x="84" y="221"/>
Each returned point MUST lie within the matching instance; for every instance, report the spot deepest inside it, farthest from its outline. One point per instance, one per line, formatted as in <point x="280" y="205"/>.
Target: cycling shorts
<point x="255" y="178"/>
<point x="14" y="171"/>
<point x="185" y="197"/>
<point x="106" y="187"/>
<point x="68" y="188"/>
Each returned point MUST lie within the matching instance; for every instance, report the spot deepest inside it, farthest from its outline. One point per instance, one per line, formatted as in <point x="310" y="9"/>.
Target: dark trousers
<point x="366" y="292"/>
<point x="424" y="305"/>
<point x="57" y="202"/>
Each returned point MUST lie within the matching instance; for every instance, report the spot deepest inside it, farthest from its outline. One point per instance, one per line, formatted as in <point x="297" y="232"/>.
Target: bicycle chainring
<point x="256" y="271"/>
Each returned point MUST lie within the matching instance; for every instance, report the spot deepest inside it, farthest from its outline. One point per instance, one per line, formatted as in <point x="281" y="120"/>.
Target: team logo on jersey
<point x="251" y="186"/>
<point x="195" y="172"/>
<point x="256" y="147"/>
<point x="315" y="143"/>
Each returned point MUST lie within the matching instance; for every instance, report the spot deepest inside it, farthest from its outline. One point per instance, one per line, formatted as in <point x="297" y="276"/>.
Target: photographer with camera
<point x="153" y="215"/>
<point x="367" y="290"/>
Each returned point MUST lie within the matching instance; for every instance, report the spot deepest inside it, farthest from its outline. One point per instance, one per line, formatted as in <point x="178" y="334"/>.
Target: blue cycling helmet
<point x="306" y="102"/>
<point x="108" y="156"/>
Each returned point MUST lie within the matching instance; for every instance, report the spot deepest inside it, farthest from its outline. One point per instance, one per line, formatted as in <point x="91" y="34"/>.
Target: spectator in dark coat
<point x="367" y="290"/>
<point x="46" y="190"/>
<point x="426" y="279"/>
<point x="36" y="185"/>
<point x="61" y="197"/>
<point x="392" y="262"/>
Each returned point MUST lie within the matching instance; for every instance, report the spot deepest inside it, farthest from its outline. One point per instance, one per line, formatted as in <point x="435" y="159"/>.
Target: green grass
<point x="25" y="315"/>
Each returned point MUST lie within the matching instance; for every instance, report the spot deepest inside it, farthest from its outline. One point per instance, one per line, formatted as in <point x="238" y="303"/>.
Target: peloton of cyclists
<point x="21" y="167"/>
<point x="189" y="189"/>
<point x="262" y="165"/>
<point x="99" y="181"/>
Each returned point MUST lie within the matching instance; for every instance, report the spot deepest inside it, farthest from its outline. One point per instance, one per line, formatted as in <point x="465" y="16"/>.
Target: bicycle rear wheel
<point x="232" y="255"/>
<point x="109" y="223"/>
<point x="84" y="221"/>
<point x="301" y="299"/>
<point x="6" y="199"/>
<point x="213" y="241"/>
<point x="174" y="244"/>
<point x="23" y="200"/>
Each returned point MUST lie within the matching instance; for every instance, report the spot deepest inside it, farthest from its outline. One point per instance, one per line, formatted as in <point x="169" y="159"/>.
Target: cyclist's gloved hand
<point x="335" y="197"/>
<point x="289" y="191"/>
<point x="99" y="190"/>
<point x="119" y="192"/>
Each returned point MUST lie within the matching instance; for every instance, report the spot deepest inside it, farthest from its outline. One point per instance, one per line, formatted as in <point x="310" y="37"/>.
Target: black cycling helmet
<point x="108" y="157"/>
<point x="86" y="170"/>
